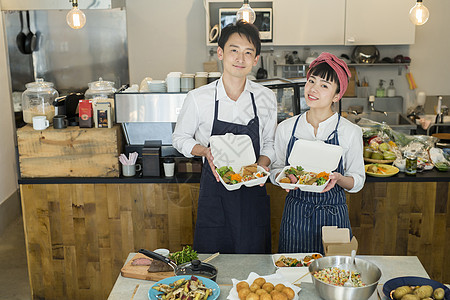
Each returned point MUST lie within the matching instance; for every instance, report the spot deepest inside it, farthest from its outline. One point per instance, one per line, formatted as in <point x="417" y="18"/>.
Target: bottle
<point x="390" y="91"/>
<point x="380" y="89"/>
<point x="411" y="163"/>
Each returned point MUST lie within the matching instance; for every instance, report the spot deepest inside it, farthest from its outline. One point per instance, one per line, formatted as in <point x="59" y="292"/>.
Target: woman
<point x="305" y="212"/>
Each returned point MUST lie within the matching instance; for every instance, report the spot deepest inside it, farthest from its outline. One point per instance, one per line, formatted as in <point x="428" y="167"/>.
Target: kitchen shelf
<point x="399" y="65"/>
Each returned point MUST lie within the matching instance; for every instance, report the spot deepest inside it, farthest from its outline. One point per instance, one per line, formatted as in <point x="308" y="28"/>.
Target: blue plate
<point x="152" y="293"/>
<point x="412" y="281"/>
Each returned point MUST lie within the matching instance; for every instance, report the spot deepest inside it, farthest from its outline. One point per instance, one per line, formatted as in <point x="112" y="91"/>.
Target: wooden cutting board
<point x="140" y="272"/>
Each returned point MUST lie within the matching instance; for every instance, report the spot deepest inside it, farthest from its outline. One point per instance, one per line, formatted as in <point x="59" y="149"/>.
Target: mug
<point x="60" y="121"/>
<point x="130" y="170"/>
<point x="40" y="123"/>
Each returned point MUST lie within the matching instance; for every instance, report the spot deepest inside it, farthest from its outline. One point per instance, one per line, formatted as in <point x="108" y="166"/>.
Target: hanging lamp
<point x="246" y="13"/>
<point x="419" y="13"/>
<point x="75" y="17"/>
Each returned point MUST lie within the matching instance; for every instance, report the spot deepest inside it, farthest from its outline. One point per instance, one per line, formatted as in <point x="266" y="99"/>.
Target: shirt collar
<point x="221" y="94"/>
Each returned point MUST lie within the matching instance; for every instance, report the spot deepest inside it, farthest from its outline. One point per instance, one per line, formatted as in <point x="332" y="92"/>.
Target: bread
<point x="249" y="170"/>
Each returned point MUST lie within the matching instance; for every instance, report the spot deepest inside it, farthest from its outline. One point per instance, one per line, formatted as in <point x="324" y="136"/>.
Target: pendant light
<point x="246" y="13"/>
<point x="419" y="14"/>
<point x="75" y="18"/>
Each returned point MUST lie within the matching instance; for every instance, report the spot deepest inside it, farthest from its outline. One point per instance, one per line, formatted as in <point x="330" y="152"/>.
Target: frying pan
<point x="195" y="267"/>
<point x="21" y="37"/>
<point x="261" y="73"/>
<point x="30" y="41"/>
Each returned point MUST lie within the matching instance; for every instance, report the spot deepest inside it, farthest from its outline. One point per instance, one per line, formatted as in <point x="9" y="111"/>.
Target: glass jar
<point x="411" y="163"/>
<point x="101" y="91"/>
<point x="37" y="100"/>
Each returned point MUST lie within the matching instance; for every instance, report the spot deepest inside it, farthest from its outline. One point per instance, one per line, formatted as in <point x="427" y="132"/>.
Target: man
<point x="230" y="221"/>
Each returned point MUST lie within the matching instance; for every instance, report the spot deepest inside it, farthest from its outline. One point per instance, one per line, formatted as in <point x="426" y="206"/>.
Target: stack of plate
<point x="157" y="86"/>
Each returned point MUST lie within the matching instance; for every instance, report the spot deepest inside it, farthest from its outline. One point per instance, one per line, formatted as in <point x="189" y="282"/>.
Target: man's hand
<point x="200" y="150"/>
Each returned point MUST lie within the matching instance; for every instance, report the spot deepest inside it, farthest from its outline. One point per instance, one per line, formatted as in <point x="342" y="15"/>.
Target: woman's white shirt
<point x="350" y="139"/>
<point x="196" y="118"/>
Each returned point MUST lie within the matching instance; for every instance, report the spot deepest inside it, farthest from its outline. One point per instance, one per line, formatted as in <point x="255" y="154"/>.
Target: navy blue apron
<point x="306" y="212"/>
<point x="232" y="221"/>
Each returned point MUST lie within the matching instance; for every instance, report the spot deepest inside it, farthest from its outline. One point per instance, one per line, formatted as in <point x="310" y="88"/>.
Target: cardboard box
<point x="336" y="241"/>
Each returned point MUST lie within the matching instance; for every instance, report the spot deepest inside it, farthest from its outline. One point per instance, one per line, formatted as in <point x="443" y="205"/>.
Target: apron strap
<point x="334" y="132"/>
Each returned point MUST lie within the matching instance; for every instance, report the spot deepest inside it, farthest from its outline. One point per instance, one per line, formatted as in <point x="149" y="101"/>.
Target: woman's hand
<point x="334" y="177"/>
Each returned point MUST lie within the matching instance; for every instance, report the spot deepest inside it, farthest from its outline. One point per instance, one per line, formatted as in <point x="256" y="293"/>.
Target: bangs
<point x="326" y="72"/>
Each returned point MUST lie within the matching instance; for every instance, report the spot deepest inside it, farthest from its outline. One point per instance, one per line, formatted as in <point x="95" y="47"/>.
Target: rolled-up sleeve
<point x="354" y="161"/>
<point x="187" y="124"/>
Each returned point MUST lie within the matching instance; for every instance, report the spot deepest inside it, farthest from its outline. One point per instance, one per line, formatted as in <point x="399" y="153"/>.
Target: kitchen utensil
<point x="21" y="37"/>
<point x="261" y="73"/>
<point x="370" y="275"/>
<point x="365" y="54"/>
<point x="211" y="257"/>
<point x="30" y="41"/>
<point x="134" y="292"/>
<point x="352" y="268"/>
<point x="195" y="267"/>
<point x="141" y="272"/>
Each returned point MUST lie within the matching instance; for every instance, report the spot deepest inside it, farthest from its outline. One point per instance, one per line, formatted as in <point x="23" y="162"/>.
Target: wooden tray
<point x="379" y="161"/>
<point x="140" y="272"/>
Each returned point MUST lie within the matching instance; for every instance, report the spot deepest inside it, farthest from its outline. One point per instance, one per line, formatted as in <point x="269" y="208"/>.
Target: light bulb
<point x="246" y="13"/>
<point x="419" y="14"/>
<point x="76" y="18"/>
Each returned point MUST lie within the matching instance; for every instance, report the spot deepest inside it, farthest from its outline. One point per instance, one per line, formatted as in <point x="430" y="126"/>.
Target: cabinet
<point x="342" y="22"/>
<point x="57" y="4"/>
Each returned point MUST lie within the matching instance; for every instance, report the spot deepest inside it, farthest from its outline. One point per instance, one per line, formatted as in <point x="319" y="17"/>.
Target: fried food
<point x="265" y="297"/>
<point x="254" y="287"/>
<point x="285" y="180"/>
<point x="260" y="281"/>
<point x="268" y="287"/>
<point x="252" y="296"/>
<point x="243" y="292"/>
<point x="260" y="292"/>
<point x="241" y="285"/>
<point x="249" y="170"/>
<point x="289" y="293"/>
<point x="279" y="287"/>
<point x="279" y="296"/>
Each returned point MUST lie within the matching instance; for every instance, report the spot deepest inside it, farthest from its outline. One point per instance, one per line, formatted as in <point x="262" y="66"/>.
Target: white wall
<point x="165" y="36"/>
<point x="8" y="168"/>
<point x="431" y="52"/>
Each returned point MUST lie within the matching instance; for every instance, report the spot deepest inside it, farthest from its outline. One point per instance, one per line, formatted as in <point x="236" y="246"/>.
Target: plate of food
<point x="397" y="288"/>
<point x="381" y="170"/>
<point x="191" y="286"/>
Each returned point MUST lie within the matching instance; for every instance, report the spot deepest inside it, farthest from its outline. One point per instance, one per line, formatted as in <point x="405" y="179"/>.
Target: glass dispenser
<point x="37" y="100"/>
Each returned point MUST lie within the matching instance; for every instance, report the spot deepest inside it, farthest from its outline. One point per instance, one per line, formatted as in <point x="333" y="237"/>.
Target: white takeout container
<point x="235" y="151"/>
<point x="298" y="256"/>
<point x="312" y="156"/>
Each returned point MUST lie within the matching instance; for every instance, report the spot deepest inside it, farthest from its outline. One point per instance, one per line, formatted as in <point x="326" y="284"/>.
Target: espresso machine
<point x="148" y="121"/>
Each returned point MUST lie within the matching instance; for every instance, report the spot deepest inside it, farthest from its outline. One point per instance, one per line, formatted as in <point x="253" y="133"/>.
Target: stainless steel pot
<point x="370" y="275"/>
<point x="195" y="267"/>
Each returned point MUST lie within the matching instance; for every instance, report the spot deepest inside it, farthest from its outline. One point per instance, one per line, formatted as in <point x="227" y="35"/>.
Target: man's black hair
<point x="243" y="28"/>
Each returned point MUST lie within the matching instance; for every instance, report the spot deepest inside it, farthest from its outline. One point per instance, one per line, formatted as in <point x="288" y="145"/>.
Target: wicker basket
<point x="379" y="161"/>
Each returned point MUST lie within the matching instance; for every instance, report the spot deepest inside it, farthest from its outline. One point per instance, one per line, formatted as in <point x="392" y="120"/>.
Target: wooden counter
<point x="79" y="235"/>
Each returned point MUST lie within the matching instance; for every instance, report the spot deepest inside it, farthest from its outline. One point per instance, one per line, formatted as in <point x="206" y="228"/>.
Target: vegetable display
<point x="184" y="256"/>
<point x="182" y="289"/>
<point x="246" y="173"/>
<point x="300" y="176"/>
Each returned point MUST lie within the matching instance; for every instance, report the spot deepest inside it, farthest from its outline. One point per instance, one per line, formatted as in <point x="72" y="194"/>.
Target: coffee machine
<point x="67" y="105"/>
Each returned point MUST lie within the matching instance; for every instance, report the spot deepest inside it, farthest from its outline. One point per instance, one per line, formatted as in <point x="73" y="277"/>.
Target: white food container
<point x="298" y="256"/>
<point x="235" y="151"/>
<point x="312" y="156"/>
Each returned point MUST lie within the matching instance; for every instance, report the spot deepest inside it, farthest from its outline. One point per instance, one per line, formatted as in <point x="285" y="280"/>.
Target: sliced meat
<point x="141" y="262"/>
<point x="159" y="266"/>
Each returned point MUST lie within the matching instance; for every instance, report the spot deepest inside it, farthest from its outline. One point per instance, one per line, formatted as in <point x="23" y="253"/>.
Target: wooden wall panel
<point x="79" y="235"/>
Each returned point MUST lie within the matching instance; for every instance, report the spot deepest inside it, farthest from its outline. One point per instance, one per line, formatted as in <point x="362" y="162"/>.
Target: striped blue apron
<point x="306" y="212"/>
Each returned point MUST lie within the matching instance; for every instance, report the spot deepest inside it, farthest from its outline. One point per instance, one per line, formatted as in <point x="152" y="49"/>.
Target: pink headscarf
<point x="338" y="65"/>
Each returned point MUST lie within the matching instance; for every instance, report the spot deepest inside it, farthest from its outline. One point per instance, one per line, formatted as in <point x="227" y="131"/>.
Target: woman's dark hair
<point x="326" y="72"/>
<point x="243" y="29"/>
